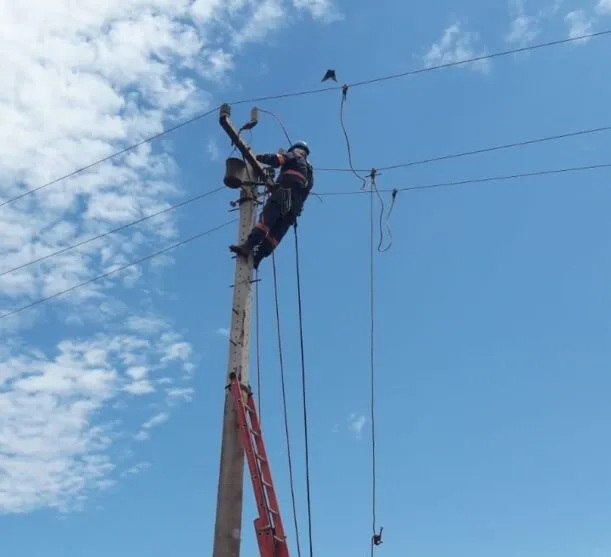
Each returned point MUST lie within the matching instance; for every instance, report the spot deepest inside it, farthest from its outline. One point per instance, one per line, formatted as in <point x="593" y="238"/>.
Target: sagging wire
<point x="257" y="344"/>
<point x="348" y="146"/>
<point x="288" y="137"/>
<point x="376" y="538"/>
<point x="371" y="178"/>
<point x="285" y="406"/>
<point x="303" y="390"/>
<point x="280" y="123"/>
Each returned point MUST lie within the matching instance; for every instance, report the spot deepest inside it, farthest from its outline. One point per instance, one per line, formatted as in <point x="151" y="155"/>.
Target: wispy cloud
<point x="223" y="331"/>
<point x="579" y="24"/>
<point x="212" y="149"/>
<point x="524" y="28"/>
<point x="356" y="423"/>
<point x="456" y="45"/>
<point x="604" y="7"/>
<point x="54" y="448"/>
<point x="323" y="10"/>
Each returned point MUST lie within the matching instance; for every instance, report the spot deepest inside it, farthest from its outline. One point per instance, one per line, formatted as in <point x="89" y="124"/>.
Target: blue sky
<point x="492" y="304"/>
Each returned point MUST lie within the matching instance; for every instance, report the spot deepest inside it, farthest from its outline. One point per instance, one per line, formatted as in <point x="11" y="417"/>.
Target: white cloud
<point x="156" y="420"/>
<point x="268" y="15"/>
<point x="136" y="469"/>
<point x="223" y="331"/>
<point x="579" y="24"/>
<point x="455" y="46"/>
<point x="356" y="422"/>
<point x="81" y="80"/>
<point x="524" y="28"/>
<point x="180" y="393"/>
<point x="212" y="149"/>
<point x="604" y="6"/>
<point x="54" y="447"/>
<point x="323" y="10"/>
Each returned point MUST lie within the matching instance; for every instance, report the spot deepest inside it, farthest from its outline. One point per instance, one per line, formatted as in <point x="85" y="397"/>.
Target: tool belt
<point x="295" y="173"/>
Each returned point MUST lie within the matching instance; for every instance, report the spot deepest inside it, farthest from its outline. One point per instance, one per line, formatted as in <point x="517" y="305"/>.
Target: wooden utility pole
<point x="245" y="176"/>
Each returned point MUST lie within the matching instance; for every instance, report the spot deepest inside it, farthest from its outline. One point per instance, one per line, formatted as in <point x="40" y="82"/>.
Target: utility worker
<point x="285" y="203"/>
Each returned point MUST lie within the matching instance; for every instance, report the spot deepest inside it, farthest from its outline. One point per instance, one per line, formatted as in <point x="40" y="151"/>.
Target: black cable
<point x="113" y="231"/>
<point x="111" y="156"/>
<point x="481" y="180"/>
<point x="407" y="188"/>
<point x="372" y="175"/>
<point x="372" y="370"/>
<point x="303" y="93"/>
<point x="478" y="151"/>
<point x="285" y="405"/>
<point x="303" y="390"/>
<point x="347" y="138"/>
<point x="257" y="344"/>
<point x="117" y="270"/>
<point x="280" y="123"/>
<point x="498" y="54"/>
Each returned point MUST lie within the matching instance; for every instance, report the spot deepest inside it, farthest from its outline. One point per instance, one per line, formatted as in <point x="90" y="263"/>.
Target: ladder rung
<point x="279" y="540"/>
<point x="255" y="433"/>
<point x="273" y="511"/>
<point x="249" y="408"/>
<point x="259" y="457"/>
<point x="267" y="484"/>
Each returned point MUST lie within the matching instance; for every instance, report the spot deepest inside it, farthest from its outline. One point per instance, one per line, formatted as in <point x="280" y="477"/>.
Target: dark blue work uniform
<point x="283" y="206"/>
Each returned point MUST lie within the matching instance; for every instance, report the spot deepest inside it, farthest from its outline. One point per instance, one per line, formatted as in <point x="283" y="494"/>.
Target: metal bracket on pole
<point x="240" y="144"/>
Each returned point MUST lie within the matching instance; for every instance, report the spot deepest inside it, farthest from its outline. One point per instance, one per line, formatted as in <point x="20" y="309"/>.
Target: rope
<point x="284" y="402"/>
<point x="303" y="387"/>
<point x="376" y="538"/>
<point x="258" y="345"/>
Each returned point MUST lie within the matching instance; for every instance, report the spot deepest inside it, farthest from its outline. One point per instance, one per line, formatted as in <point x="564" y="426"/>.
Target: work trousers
<point x="279" y="214"/>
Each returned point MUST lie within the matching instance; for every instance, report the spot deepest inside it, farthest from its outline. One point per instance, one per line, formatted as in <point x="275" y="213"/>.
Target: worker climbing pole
<point x="243" y="174"/>
<point x="284" y="205"/>
<point x="241" y="425"/>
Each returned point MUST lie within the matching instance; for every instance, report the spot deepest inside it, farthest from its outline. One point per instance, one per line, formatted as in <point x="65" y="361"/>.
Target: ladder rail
<point x="268" y="526"/>
<point x="266" y="474"/>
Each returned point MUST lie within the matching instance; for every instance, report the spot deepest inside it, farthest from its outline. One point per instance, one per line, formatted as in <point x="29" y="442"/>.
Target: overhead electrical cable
<point x="113" y="231"/>
<point x="303" y="391"/>
<point x="440" y="158"/>
<point x="116" y="270"/>
<point x="285" y="408"/>
<point x="302" y="93"/>
<point x="376" y="538"/>
<point x="107" y="158"/>
<point x="334" y="194"/>
<point x="478" y="180"/>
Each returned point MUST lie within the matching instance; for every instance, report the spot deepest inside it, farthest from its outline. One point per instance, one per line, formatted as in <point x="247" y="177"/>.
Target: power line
<point x="328" y="194"/>
<point x="117" y="270"/>
<point x="303" y="391"/>
<point x="479" y="180"/>
<point x="439" y="158"/>
<point x="497" y="54"/>
<point x="287" y="434"/>
<point x="109" y="157"/>
<point x="113" y="231"/>
<point x="303" y="93"/>
<point x="374" y="535"/>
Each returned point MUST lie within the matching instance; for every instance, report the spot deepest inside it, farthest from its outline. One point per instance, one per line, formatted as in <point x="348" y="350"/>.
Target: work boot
<point x="241" y="249"/>
<point x="255" y="237"/>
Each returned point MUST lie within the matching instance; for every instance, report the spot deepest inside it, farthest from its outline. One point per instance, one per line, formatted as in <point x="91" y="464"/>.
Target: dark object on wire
<point x="377" y="538"/>
<point x="330" y="75"/>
